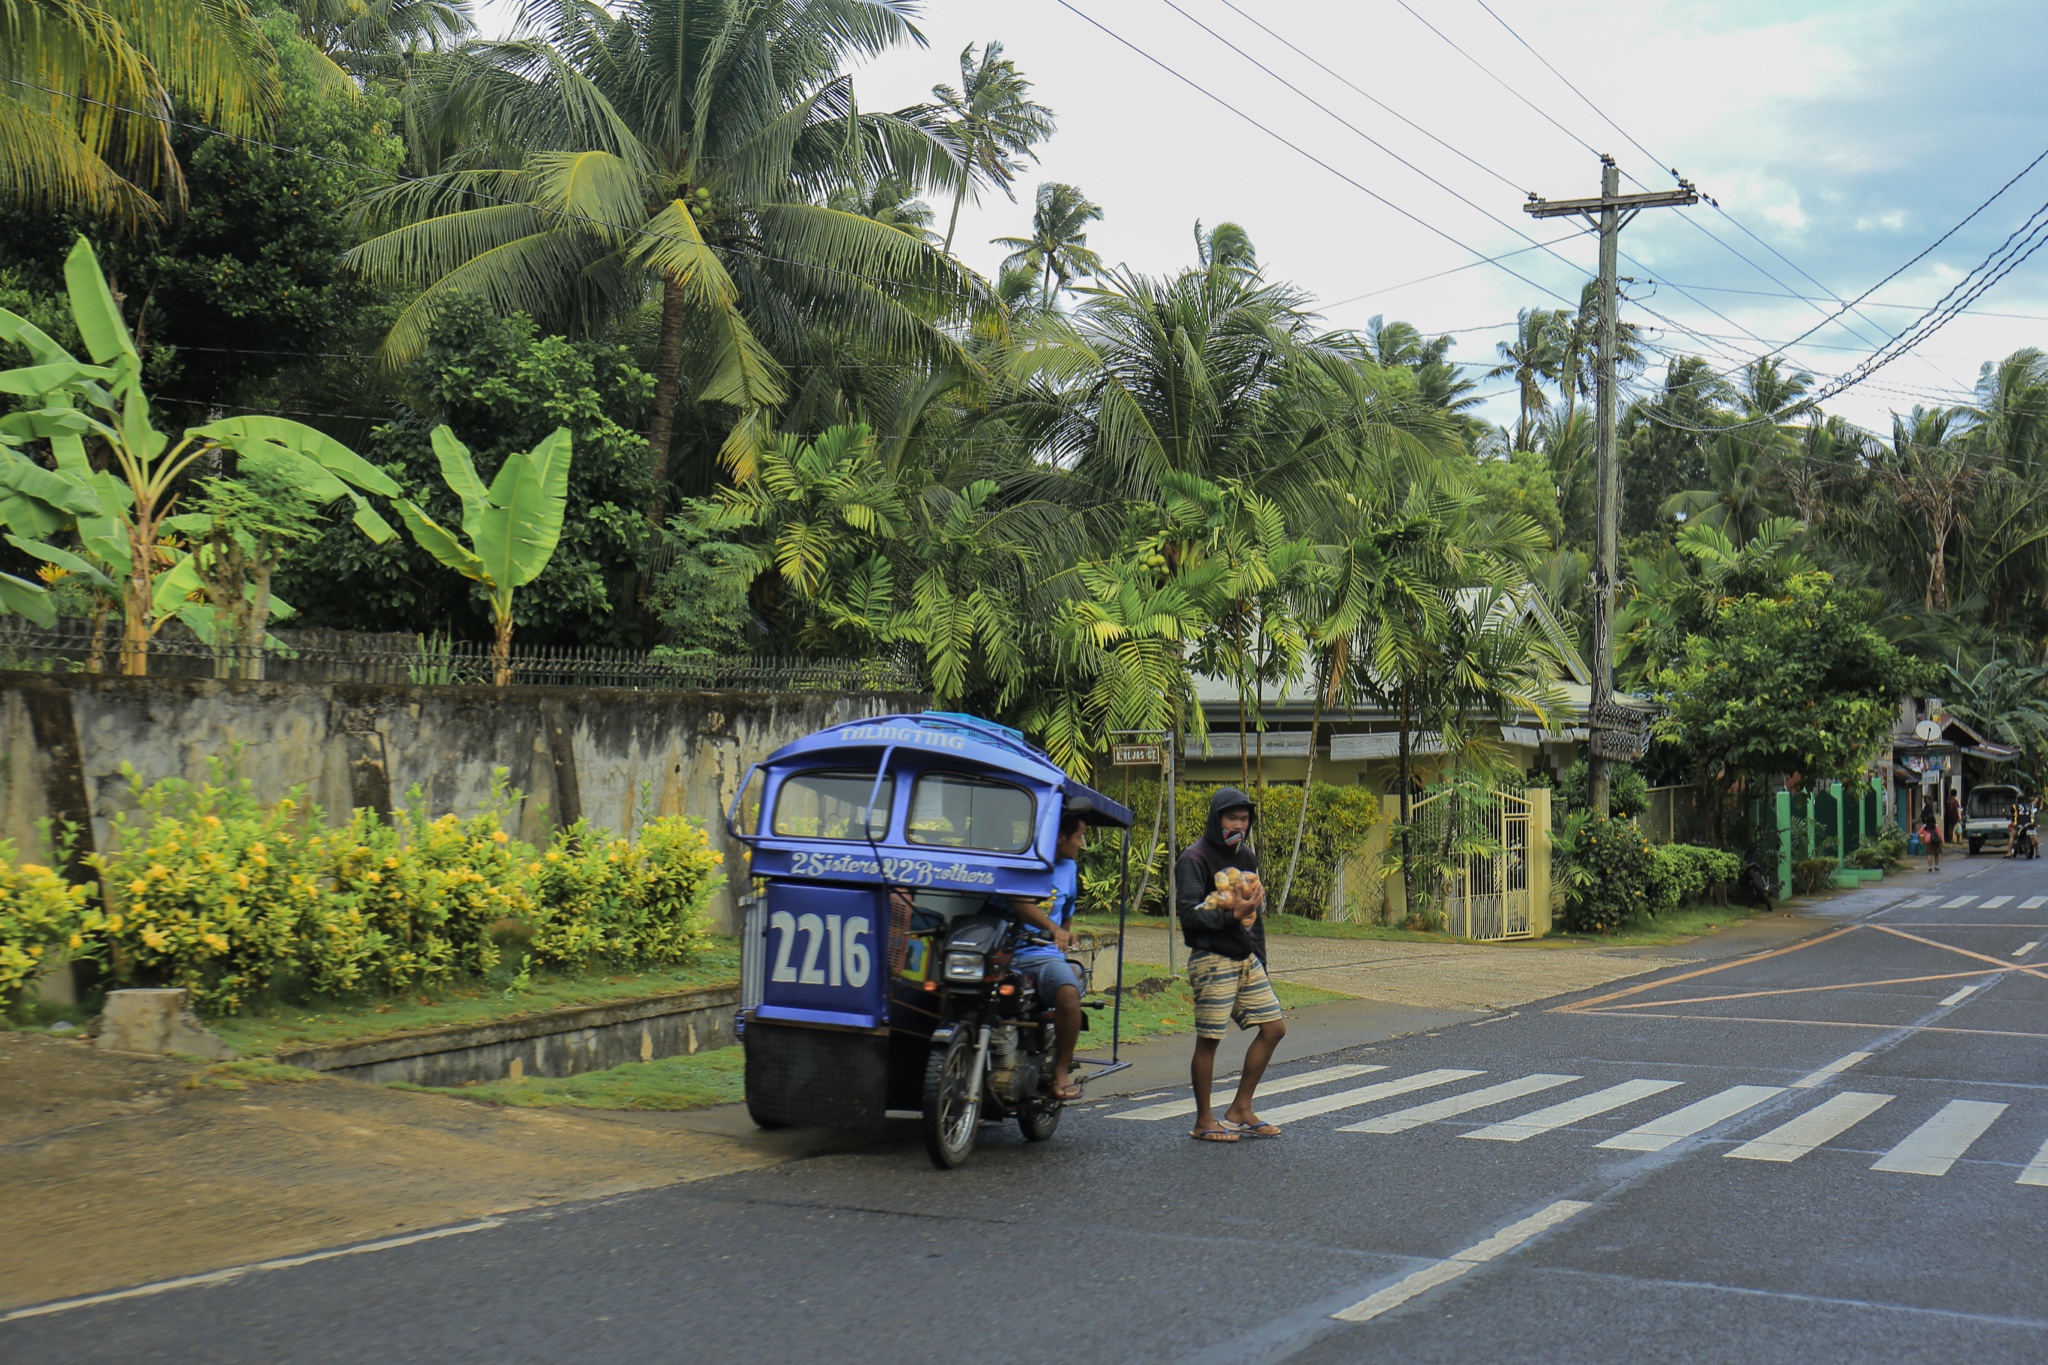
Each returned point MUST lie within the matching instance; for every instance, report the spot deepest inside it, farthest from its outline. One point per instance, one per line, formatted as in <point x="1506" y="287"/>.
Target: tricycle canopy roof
<point x="958" y="738"/>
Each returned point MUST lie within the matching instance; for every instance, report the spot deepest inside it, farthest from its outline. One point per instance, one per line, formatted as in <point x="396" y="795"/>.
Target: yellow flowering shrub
<point x="44" y="920"/>
<point x="211" y="888"/>
<point x="426" y="893"/>
<point x="625" y="902"/>
<point x="205" y="887"/>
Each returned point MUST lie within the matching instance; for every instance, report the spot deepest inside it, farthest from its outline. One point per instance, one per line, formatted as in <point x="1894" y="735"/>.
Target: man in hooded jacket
<point x="1227" y="966"/>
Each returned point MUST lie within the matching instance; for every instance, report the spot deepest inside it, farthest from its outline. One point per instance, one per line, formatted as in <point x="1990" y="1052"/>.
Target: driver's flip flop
<point x="1223" y="1134"/>
<point x="1261" y="1129"/>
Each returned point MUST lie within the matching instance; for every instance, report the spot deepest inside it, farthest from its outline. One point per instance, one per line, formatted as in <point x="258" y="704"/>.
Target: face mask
<point x="1232" y="838"/>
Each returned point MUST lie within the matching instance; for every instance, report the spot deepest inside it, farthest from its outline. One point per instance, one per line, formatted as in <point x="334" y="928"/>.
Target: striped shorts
<point x="1226" y="989"/>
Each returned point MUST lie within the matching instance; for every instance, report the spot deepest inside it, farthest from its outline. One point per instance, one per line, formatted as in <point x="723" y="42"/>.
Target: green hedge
<point x="1606" y="869"/>
<point x="1683" y="873"/>
<point x="1340" y="822"/>
<point x="1611" y="873"/>
<point x="207" y="888"/>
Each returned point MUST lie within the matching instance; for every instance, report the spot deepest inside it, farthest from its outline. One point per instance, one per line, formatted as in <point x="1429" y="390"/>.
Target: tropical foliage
<point x="1079" y="495"/>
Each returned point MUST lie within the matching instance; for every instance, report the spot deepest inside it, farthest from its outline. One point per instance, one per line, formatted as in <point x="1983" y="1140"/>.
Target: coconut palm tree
<point x="110" y="154"/>
<point x="1532" y="358"/>
<point x="1205" y="372"/>
<point x="993" y="121"/>
<point x="1738" y="497"/>
<point x="677" y="153"/>
<point x="1058" y="244"/>
<point x="371" y="39"/>
<point x="1933" y="472"/>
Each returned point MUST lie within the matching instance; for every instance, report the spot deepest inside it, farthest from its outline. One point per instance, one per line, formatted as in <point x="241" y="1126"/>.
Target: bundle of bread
<point x="1231" y="883"/>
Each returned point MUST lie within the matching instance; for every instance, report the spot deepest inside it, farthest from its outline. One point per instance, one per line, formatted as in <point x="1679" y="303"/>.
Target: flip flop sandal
<point x="1261" y="1129"/>
<point x="1224" y="1134"/>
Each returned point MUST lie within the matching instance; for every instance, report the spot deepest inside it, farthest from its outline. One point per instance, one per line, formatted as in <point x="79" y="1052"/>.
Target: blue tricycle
<point x="888" y="856"/>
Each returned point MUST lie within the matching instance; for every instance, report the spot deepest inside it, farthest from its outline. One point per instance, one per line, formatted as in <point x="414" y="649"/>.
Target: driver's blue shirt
<point x="1066" y="882"/>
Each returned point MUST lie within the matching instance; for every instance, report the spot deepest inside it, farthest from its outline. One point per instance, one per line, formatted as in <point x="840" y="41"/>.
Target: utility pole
<point x="1607" y="213"/>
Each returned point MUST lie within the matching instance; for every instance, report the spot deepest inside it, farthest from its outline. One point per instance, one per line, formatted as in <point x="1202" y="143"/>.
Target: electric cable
<point x="1299" y="150"/>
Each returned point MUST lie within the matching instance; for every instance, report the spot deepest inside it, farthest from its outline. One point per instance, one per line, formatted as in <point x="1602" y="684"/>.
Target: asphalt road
<point x="1836" y="1151"/>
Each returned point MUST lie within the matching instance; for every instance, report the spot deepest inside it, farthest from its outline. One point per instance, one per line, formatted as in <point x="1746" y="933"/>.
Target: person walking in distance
<point x="1930" y="834"/>
<point x="1227" y="963"/>
<point x="1955" y="817"/>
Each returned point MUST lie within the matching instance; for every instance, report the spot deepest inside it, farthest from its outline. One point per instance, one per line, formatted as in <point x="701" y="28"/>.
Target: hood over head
<point x="1226" y="799"/>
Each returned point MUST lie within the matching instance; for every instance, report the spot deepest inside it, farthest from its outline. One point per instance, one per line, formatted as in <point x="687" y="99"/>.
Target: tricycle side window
<point x="957" y="810"/>
<point x="826" y="804"/>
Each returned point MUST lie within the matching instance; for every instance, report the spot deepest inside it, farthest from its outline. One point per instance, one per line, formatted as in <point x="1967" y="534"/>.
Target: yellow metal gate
<point x="1485" y="894"/>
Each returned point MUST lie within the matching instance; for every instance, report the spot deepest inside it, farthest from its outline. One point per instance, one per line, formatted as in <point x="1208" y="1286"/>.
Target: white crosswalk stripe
<point x="1365" y="1094"/>
<point x="2026" y="948"/>
<point x="1958" y="903"/>
<point x="1401" y="1120"/>
<point x="1790" y="1141"/>
<point x="1540" y="1121"/>
<point x="1937" y="1144"/>
<point x="1996" y="903"/>
<point x="1696" y="1117"/>
<point x="2034" y="902"/>
<point x="1920" y="903"/>
<point x="1964" y="994"/>
<point x="1932" y="1149"/>
<point x="1834" y="1068"/>
<point x="1279" y="1086"/>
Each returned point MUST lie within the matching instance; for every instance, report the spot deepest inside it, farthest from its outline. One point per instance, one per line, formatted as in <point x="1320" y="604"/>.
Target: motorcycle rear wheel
<point x="1039" y="1116"/>
<point x="951" y="1114"/>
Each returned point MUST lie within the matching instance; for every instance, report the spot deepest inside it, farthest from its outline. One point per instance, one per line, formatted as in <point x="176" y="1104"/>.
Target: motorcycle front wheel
<point x="951" y="1113"/>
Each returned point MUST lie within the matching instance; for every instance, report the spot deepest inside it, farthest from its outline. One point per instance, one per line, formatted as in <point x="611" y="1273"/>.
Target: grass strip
<point x="287" y="1028"/>
<point x="1686" y="922"/>
<point x="719" y="1077"/>
<point x="708" y="1078"/>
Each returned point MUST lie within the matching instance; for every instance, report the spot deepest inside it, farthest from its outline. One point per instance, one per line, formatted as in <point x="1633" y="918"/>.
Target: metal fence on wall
<point x="1675" y="815"/>
<point x="327" y="656"/>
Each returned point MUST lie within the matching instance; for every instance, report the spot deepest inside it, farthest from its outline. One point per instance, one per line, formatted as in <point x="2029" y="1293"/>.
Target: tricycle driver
<point x="1046" y="963"/>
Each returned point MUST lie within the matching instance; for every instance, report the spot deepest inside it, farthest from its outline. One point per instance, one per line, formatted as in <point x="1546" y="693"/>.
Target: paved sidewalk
<point x="114" y="1173"/>
<point x="1434" y="975"/>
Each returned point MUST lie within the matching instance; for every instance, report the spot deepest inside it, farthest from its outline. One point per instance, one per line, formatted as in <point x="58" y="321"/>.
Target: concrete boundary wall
<point x="613" y="756"/>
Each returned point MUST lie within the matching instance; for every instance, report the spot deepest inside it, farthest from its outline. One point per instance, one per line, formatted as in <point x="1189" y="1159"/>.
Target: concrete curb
<point x="560" y="1042"/>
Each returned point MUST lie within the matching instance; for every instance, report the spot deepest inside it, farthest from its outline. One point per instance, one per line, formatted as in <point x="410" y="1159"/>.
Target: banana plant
<point x="512" y="527"/>
<point x="121" y="513"/>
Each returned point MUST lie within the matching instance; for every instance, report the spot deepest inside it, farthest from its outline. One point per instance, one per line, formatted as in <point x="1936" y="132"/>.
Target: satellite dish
<point x="1928" y="731"/>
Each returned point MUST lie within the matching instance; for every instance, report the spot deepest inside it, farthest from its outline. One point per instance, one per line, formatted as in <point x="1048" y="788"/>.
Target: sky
<point x="1840" y="140"/>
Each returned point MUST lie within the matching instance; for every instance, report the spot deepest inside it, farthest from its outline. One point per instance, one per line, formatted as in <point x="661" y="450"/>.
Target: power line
<point x="1231" y="5"/>
<point x="1658" y="161"/>
<point x="1456" y="269"/>
<point x="1299" y="150"/>
<point x="1807" y="298"/>
<point x="1947" y="306"/>
<point x="1345" y="123"/>
<point x="1538" y="109"/>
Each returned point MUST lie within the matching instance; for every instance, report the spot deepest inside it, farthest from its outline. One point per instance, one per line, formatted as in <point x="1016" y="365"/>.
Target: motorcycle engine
<point x="1014" y="1072"/>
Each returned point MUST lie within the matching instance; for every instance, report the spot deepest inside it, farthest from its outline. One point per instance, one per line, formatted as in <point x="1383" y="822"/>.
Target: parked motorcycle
<point x="992" y="1052"/>
<point x="2026" y="839"/>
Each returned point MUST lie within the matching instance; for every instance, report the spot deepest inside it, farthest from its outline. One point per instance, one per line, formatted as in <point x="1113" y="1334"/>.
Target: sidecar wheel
<point x="951" y="1114"/>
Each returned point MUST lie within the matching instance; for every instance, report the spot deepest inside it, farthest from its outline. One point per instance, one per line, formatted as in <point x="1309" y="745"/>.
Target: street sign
<point x="1135" y="755"/>
<point x="1928" y="731"/>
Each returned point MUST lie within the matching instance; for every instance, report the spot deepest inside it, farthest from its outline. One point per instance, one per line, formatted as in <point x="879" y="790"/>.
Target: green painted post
<point x="1842" y="823"/>
<point x="1783" y="811"/>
